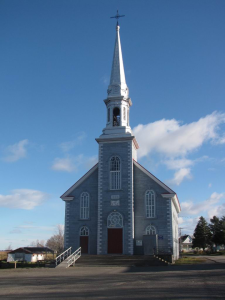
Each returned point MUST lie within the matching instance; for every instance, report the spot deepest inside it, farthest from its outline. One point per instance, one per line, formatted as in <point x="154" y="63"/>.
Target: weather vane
<point x="117" y="16"/>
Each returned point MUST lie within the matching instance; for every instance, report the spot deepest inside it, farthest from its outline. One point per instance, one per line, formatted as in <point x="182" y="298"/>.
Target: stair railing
<point x="73" y="257"/>
<point x="63" y="256"/>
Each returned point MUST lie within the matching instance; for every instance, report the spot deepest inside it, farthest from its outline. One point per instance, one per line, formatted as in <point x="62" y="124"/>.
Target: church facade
<point x="118" y="207"/>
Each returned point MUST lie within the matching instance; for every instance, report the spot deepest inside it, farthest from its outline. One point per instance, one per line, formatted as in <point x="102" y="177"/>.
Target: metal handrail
<point x="61" y="257"/>
<point x="73" y="257"/>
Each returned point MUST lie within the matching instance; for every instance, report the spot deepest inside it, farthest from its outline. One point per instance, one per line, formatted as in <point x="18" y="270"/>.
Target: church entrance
<point x="115" y="240"/>
<point x="115" y="233"/>
<point x="84" y="244"/>
<point x="84" y="236"/>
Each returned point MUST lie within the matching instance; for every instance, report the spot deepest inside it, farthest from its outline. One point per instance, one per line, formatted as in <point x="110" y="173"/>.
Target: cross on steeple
<point x="117" y="16"/>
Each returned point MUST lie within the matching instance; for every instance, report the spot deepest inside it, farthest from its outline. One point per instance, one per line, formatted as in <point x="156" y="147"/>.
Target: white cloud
<point x="172" y="139"/>
<point x="72" y="163"/>
<point x="67" y="146"/>
<point x="190" y="208"/>
<point x="218" y="211"/>
<point x="210" y="185"/>
<point x="16" y="151"/>
<point x="179" y="176"/>
<point x="64" y="164"/>
<point x="23" y="199"/>
<point x="220" y="140"/>
<point x="175" y="164"/>
<point x="180" y="220"/>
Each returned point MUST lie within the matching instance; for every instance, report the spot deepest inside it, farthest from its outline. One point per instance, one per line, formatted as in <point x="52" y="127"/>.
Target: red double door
<point x="115" y="240"/>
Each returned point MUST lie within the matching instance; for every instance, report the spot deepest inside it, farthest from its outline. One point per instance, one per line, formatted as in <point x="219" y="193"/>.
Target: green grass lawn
<point x="187" y="260"/>
<point x="221" y="252"/>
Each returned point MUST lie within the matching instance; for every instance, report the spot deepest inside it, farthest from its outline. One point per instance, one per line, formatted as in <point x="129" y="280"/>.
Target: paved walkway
<point x="205" y="281"/>
<point x="219" y="259"/>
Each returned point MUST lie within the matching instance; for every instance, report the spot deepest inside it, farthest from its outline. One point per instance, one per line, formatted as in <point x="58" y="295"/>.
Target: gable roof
<point x="32" y="250"/>
<point x="170" y="194"/>
<point x="21" y="250"/>
<point x="39" y="249"/>
<point x="77" y="183"/>
<point x="184" y="237"/>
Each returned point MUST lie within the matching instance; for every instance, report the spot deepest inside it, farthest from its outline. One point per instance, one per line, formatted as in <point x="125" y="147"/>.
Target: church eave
<point x="174" y="199"/>
<point x="171" y="194"/>
<point x="154" y="178"/>
<point x="65" y="196"/>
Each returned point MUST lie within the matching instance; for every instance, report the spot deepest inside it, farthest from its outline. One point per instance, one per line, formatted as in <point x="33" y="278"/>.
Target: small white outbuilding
<point x="29" y="254"/>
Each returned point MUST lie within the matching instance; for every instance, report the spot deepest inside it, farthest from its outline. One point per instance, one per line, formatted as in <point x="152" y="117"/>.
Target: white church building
<point x="119" y="207"/>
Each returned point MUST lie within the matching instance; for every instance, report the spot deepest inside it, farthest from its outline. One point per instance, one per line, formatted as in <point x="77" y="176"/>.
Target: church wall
<point x="142" y="183"/>
<point x="73" y="221"/>
<point x="175" y="232"/>
<point x="123" y="150"/>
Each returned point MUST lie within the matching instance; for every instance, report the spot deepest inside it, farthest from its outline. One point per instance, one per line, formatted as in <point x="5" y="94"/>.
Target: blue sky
<point x="55" y="59"/>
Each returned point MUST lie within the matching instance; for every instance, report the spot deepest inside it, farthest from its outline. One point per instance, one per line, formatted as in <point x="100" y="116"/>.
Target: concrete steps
<point x="119" y="261"/>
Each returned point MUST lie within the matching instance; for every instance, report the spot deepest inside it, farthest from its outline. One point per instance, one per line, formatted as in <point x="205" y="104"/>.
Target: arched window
<point x="84" y="231"/>
<point x="108" y="114"/>
<point x="116" y="116"/>
<point x="150" y="230"/>
<point x="84" y="206"/>
<point x="115" y="178"/>
<point x="150" y="204"/>
<point x="115" y="220"/>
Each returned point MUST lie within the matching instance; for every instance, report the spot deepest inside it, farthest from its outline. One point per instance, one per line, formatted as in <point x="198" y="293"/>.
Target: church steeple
<point x="118" y="102"/>
<point x="118" y="86"/>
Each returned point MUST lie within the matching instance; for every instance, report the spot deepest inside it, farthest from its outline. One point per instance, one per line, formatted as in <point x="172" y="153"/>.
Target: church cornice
<point x="118" y="139"/>
<point x="116" y="99"/>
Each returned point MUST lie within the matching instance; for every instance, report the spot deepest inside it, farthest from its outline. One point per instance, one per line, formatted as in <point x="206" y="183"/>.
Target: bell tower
<point x="118" y="102"/>
<point x="117" y="150"/>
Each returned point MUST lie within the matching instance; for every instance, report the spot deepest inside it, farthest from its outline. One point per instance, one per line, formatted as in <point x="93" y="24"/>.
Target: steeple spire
<point x="118" y="102"/>
<point x="118" y="86"/>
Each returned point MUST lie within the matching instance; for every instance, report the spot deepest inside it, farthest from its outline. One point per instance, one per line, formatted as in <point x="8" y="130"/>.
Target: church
<point x="119" y="207"/>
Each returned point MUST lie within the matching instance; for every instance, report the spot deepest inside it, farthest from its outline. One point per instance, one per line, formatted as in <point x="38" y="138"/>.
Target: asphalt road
<point x="205" y="281"/>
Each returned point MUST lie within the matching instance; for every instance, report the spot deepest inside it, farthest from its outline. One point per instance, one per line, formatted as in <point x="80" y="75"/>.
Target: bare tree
<point x="56" y="242"/>
<point x="38" y="243"/>
<point x="9" y="247"/>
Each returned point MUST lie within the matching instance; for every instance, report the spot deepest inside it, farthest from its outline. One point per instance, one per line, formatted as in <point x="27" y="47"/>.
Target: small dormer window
<point x="116" y="116"/>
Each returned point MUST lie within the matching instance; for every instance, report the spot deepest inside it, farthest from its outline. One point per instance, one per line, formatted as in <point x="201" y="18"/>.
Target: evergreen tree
<point x="216" y="230"/>
<point x="222" y="220"/>
<point x="202" y="234"/>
